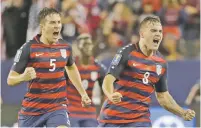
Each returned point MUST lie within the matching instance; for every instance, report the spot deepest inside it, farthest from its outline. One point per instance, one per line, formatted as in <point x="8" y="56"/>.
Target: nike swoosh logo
<point x="39" y="54"/>
<point x="134" y="64"/>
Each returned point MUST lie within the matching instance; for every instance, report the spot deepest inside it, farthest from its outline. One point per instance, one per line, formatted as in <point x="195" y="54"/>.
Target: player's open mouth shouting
<point x="56" y="34"/>
<point x="156" y="41"/>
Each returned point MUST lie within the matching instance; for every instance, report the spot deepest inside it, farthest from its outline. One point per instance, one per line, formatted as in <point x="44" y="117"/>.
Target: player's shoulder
<point x="126" y="49"/>
<point x="159" y="58"/>
<point x="27" y="44"/>
<point x="158" y="54"/>
<point x="64" y="42"/>
<point x="24" y="49"/>
<point x="99" y="64"/>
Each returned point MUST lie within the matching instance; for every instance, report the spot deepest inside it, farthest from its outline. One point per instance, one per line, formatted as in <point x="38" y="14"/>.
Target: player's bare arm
<point x="192" y="94"/>
<point x="108" y="89"/>
<point x="167" y="102"/>
<point x="19" y="71"/>
<point x="74" y="76"/>
<point x="15" y="78"/>
<point x="116" y="68"/>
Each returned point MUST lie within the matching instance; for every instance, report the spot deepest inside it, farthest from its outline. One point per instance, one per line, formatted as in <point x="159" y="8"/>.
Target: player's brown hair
<point x="151" y="19"/>
<point x="45" y="12"/>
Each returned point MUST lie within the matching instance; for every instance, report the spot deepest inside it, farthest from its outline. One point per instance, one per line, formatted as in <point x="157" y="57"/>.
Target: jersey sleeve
<point x="102" y="72"/>
<point x="161" y="85"/>
<point x="70" y="59"/>
<point x="118" y="63"/>
<point x="21" y="58"/>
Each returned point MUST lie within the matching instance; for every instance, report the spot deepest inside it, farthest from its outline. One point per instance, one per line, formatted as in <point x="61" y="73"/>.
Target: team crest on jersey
<point x="158" y="69"/>
<point x="116" y="59"/>
<point x="63" y="53"/>
<point x="94" y="76"/>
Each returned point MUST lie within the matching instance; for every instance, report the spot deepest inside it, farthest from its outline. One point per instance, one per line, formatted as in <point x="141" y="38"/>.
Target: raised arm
<point x="75" y="78"/>
<point x="167" y="102"/>
<point x="116" y="67"/>
<point x="19" y="71"/>
<point x="15" y="78"/>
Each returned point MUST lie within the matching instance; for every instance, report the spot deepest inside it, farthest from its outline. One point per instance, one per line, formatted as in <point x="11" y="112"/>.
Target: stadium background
<point x="113" y="24"/>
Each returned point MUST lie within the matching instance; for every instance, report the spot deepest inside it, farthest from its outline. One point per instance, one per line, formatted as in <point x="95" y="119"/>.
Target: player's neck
<point x="45" y="40"/>
<point x="144" y="49"/>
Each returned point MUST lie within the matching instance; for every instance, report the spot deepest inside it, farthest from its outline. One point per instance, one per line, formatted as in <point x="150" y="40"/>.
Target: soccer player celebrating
<point x="91" y="72"/>
<point x="135" y="73"/>
<point x="42" y="62"/>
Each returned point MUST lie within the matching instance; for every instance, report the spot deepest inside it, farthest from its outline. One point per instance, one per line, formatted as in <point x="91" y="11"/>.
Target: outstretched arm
<point x="167" y="102"/>
<point x="74" y="76"/>
<point x="117" y="66"/>
<point x="19" y="71"/>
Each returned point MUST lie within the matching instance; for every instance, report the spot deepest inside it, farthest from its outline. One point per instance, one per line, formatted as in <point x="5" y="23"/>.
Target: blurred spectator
<point x="74" y="19"/>
<point x="15" y="22"/>
<point x="93" y="18"/>
<point x="120" y="20"/>
<point x="156" y="4"/>
<point x="103" y="18"/>
<point x="193" y="100"/>
<point x="191" y="28"/>
<point x="135" y="5"/>
<point x="170" y="44"/>
<point x="135" y="38"/>
<point x="147" y="10"/>
<point x="5" y="4"/>
<point x="33" y="24"/>
<point x="171" y="17"/>
<point x="114" y="42"/>
<point x="103" y="4"/>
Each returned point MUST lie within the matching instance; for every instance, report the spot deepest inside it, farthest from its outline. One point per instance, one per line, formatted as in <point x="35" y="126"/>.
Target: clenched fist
<point x="188" y="114"/>
<point x="115" y="97"/>
<point x="86" y="101"/>
<point x="29" y="74"/>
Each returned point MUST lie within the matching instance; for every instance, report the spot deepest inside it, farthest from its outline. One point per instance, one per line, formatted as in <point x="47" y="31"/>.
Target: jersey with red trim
<point x="47" y="92"/>
<point x="90" y="75"/>
<point x="137" y="76"/>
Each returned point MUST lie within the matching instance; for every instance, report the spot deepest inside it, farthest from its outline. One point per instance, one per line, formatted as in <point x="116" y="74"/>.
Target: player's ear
<point x="141" y="34"/>
<point x="42" y="23"/>
<point x="41" y="26"/>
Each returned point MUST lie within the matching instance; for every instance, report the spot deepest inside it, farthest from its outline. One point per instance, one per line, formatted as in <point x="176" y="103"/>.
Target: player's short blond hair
<point x="151" y="19"/>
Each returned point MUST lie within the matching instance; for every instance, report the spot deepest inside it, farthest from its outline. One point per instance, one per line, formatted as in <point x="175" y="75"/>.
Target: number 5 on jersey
<point x="52" y="64"/>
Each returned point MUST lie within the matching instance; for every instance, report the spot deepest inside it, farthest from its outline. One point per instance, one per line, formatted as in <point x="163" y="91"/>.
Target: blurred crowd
<point x="112" y="24"/>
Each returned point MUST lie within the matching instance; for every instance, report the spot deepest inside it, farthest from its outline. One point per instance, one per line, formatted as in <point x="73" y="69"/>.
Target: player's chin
<point x="55" y="40"/>
<point x="154" y="48"/>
